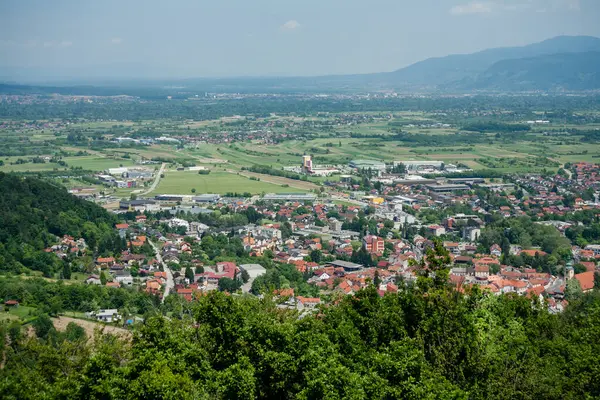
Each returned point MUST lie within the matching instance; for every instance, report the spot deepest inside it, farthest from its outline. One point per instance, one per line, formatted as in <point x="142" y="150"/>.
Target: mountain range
<point x="478" y="70"/>
<point x="570" y="63"/>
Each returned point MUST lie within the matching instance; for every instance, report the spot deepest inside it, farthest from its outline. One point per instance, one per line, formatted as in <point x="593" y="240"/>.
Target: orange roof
<point x="105" y="259"/>
<point x="535" y="291"/>
<point x="309" y="300"/>
<point x="492" y="288"/>
<point x="153" y="285"/>
<point x="533" y="252"/>
<point x="586" y="280"/>
<point x="285" y="292"/>
<point x="589" y="265"/>
<point x="121" y="226"/>
<point x="113" y="284"/>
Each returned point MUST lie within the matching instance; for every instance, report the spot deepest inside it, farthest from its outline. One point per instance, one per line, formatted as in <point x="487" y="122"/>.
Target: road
<point x="156" y="180"/>
<point x="170" y="282"/>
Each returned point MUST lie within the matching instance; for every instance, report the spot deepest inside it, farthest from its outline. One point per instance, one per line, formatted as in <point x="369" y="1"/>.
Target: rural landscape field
<point x="331" y="138"/>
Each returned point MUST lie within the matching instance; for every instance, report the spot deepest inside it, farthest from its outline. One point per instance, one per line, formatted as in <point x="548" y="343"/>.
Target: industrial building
<point x="290" y="197"/>
<point x="307" y="165"/>
<point x="447" y="188"/>
<point x="417" y="165"/>
<point x="348" y="266"/>
<point x="253" y="270"/>
<point x="368" y="164"/>
<point x="206" y="198"/>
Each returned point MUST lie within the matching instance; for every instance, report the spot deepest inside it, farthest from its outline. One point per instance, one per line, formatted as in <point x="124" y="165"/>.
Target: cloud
<point x="486" y="7"/>
<point x="116" y="40"/>
<point x="291" y="25"/>
<point x="472" y="8"/>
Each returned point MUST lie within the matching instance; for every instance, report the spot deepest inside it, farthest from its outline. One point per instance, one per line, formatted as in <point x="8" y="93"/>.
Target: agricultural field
<point x="218" y="182"/>
<point x="228" y="145"/>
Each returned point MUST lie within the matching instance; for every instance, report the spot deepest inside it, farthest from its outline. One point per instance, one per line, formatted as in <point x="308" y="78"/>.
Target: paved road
<point x="156" y="180"/>
<point x="170" y="282"/>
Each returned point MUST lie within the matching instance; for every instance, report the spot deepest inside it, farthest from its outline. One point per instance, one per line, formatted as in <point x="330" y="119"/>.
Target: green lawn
<point x="96" y="163"/>
<point x="21" y="312"/>
<point x="30" y="167"/>
<point x="182" y="182"/>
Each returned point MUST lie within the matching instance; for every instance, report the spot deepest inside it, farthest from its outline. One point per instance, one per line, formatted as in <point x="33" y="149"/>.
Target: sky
<point x="220" y="38"/>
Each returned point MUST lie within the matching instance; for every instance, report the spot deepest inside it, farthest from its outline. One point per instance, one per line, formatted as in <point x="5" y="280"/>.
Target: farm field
<point x="228" y="145"/>
<point x="96" y="163"/>
<point x="220" y="182"/>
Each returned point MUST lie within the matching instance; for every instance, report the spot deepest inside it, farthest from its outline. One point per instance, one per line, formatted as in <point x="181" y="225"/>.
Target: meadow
<point x="219" y="182"/>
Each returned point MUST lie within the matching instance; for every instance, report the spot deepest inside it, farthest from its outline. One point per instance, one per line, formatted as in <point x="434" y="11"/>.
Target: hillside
<point x="459" y="67"/>
<point x="34" y="212"/>
<point x="579" y="71"/>
<point x="408" y="345"/>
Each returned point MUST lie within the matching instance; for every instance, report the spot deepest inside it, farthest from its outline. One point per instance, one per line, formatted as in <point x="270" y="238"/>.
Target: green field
<point x="335" y="143"/>
<point x="182" y="182"/>
<point x="90" y="163"/>
<point x="16" y="313"/>
<point x="96" y="163"/>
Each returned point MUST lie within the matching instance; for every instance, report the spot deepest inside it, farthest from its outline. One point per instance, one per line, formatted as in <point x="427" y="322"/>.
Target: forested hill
<point x="579" y="71"/>
<point x="438" y="344"/>
<point x="34" y="212"/>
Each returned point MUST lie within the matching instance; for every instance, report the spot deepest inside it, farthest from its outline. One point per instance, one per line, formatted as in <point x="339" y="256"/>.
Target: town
<point x="523" y="235"/>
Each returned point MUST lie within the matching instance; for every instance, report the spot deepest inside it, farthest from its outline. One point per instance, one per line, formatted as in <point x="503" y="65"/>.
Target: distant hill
<point x="462" y="67"/>
<point x="579" y="71"/>
<point x="564" y="62"/>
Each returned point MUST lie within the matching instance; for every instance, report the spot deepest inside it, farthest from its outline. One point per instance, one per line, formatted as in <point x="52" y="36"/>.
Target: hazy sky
<point x="175" y="38"/>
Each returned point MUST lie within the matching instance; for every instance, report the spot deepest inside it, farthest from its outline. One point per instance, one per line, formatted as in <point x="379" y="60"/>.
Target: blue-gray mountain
<point x="562" y="63"/>
<point x="468" y="67"/>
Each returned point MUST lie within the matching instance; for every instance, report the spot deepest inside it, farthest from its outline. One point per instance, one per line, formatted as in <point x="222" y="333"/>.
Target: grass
<point x="20" y="313"/>
<point x="96" y="163"/>
<point x="220" y="182"/>
<point x="30" y="167"/>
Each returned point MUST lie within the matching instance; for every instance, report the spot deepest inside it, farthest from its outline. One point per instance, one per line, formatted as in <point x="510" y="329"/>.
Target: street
<point x="170" y="282"/>
<point x="156" y="180"/>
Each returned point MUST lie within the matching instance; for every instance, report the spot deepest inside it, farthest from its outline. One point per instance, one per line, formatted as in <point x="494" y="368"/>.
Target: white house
<point x="126" y="280"/>
<point x="110" y="315"/>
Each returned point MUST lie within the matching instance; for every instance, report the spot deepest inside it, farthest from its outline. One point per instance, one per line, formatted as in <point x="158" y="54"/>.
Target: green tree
<point x="245" y="276"/>
<point x="573" y="290"/>
<point x="316" y="256"/>
<point x="189" y="274"/>
<point x="74" y="332"/>
<point x="66" y="273"/>
<point x="103" y="278"/>
<point x="229" y="285"/>
<point x="43" y="326"/>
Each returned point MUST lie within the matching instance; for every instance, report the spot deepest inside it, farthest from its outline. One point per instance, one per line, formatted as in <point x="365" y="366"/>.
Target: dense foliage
<point x="409" y="345"/>
<point x="57" y="297"/>
<point x="33" y="213"/>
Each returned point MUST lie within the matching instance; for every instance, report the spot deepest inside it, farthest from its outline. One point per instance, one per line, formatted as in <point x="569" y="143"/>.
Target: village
<point x="380" y="235"/>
